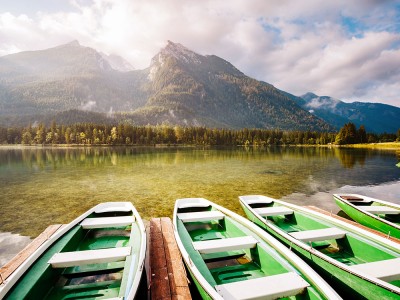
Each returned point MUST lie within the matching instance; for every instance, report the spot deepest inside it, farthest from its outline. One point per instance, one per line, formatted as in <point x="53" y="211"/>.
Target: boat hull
<point x="209" y="274"/>
<point x="349" y="285"/>
<point x="100" y="254"/>
<point x="368" y="219"/>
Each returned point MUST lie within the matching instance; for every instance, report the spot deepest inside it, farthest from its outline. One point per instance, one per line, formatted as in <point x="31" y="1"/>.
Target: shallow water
<point x="43" y="186"/>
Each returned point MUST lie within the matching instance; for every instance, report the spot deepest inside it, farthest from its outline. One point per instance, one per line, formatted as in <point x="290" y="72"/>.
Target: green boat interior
<point x="221" y="266"/>
<point x="345" y="247"/>
<point x="100" y="280"/>
<point x="382" y="211"/>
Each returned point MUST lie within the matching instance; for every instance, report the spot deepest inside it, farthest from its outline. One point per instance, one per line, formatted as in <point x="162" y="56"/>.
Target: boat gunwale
<point x="19" y="272"/>
<point x="319" y="254"/>
<point x="338" y="197"/>
<point x="319" y="284"/>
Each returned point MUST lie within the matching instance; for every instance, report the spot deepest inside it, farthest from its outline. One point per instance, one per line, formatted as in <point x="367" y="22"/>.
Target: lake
<point x="43" y="186"/>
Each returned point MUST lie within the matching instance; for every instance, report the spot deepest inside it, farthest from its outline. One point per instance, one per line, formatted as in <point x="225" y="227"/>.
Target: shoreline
<point x="375" y="146"/>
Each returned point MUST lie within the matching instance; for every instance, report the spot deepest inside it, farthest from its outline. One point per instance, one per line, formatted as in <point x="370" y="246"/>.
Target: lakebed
<point x="43" y="186"/>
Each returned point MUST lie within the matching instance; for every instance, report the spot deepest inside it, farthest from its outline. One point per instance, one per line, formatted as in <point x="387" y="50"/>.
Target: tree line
<point x="349" y="134"/>
<point x="127" y="134"/>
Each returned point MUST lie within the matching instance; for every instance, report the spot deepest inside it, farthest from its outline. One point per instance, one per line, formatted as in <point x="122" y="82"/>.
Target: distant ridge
<point x="376" y="117"/>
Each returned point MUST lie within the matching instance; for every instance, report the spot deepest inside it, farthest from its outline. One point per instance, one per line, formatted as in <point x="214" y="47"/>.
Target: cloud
<point x="88" y="105"/>
<point x="345" y="49"/>
<point x="324" y="102"/>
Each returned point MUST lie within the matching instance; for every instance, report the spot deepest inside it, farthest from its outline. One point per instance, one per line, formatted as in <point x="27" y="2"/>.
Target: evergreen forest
<point x="127" y="134"/>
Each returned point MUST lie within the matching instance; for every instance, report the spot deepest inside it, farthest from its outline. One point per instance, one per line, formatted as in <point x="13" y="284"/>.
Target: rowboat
<point x="356" y="262"/>
<point x="376" y="214"/>
<point x="228" y="257"/>
<point x="99" y="255"/>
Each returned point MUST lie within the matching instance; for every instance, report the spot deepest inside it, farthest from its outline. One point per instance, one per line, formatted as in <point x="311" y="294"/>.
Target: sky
<point x="347" y="49"/>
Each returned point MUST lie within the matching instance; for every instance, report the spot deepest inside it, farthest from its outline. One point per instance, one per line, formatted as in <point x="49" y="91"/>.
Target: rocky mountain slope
<point x="180" y="87"/>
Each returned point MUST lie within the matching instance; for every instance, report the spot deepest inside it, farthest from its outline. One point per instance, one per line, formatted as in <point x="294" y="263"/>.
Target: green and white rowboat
<point x="99" y="255"/>
<point x="373" y="213"/>
<point x="357" y="263"/>
<point x="228" y="257"/>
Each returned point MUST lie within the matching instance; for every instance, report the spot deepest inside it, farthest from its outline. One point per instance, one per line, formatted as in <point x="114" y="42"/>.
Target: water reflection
<point x="43" y="186"/>
<point x="349" y="158"/>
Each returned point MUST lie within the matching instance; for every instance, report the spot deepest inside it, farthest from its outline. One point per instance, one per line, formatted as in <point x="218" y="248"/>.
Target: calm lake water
<point x="43" y="186"/>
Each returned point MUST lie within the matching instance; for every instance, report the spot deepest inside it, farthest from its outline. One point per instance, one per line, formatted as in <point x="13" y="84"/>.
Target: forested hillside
<point x="180" y="87"/>
<point x="375" y="117"/>
<point x="75" y="84"/>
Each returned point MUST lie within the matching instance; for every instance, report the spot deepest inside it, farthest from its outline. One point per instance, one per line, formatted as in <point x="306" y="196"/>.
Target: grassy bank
<point x="383" y="146"/>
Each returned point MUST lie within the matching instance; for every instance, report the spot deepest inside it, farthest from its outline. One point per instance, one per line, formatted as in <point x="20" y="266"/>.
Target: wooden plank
<point x="227" y="244"/>
<point x="315" y="235"/>
<point x="176" y="270"/>
<point x="377" y="210"/>
<point x="202" y="216"/>
<point x="14" y="263"/>
<point x="268" y="287"/>
<point x="168" y="276"/>
<point x="273" y="211"/>
<point x="353" y="223"/>
<point x="168" y="231"/>
<point x="107" y="222"/>
<point x="158" y="263"/>
<point x="86" y="257"/>
<point x="147" y="258"/>
<point x="387" y="270"/>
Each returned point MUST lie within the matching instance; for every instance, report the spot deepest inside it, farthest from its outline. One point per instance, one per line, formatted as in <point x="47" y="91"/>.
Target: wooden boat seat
<point x="92" y="223"/>
<point x="319" y="234"/>
<point x="387" y="270"/>
<point x="269" y="287"/>
<point x="77" y="258"/>
<point x="381" y="210"/>
<point x="273" y="211"/>
<point x="255" y="199"/>
<point x="353" y="198"/>
<point x="193" y="202"/>
<point x="113" y="207"/>
<point x="227" y="244"/>
<point x="201" y="216"/>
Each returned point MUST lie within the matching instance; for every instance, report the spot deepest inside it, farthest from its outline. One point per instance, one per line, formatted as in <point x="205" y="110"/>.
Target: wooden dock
<point x="168" y="279"/>
<point x="13" y="264"/>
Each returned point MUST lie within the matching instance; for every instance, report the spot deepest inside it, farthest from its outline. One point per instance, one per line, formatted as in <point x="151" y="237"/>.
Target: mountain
<point x="376" y="117"/>
<point x="72" y="83"/>
<point x="180" y="87"/>
<point x="191" y="89"/>
<point x="66" y="77"/>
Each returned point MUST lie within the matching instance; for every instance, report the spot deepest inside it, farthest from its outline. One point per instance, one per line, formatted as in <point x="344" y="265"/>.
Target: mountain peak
<point x="74" y="43"/>
<point x="176" y="47"/>
<point x="309" y="96"/>
<point x="179" y="52"/>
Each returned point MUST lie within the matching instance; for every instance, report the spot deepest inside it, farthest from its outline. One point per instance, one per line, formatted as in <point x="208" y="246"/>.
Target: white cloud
<point x="88" y="105"/>
<point x="298" y="46"/>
